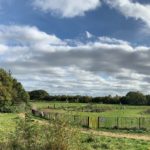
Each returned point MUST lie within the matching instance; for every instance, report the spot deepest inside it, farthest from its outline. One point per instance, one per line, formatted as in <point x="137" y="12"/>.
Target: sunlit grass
<point x="7" y="125"/>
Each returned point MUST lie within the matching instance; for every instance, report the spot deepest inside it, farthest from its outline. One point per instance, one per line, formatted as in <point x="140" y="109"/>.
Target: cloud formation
<point x="98" y="67"/>
<point x="66" y="8"/>
<point x="132" y="9"/>
<point x="70" y="9"/>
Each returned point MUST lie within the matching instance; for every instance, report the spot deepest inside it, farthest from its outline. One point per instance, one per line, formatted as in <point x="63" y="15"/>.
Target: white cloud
<point x="99" y="67"/>
<point x="3" y="48"/>
<point x="19" y="37"/>
<point x="27" y="34"/>
<point x="66" y="8"/>
<point x="109" y="40"/>
<point x="132" y="9"/>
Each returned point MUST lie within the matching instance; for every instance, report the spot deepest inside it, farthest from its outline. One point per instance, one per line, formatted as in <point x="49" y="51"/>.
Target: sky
<point x="86" y="47"/>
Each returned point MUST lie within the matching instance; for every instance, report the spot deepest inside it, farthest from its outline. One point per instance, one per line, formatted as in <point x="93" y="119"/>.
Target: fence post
<point x="88" y="121"/>
<point x="139" y="123"/>
<point x="98" y="123"/>
<point x="117" y="123"/>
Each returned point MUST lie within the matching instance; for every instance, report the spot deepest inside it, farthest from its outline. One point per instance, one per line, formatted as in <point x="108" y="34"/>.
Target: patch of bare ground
<point x="21" y="115"/>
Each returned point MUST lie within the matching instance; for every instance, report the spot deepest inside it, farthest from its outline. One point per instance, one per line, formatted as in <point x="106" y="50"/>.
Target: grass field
<point x="111" y="110"/>
<point x="103" y="143"/>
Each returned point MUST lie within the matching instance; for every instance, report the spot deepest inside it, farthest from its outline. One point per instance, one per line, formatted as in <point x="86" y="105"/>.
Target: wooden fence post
<point x="139" y="123"/>
<point x="98" y="123"/>
<point x="88" y="119"/>
<point x="117" y="123"/>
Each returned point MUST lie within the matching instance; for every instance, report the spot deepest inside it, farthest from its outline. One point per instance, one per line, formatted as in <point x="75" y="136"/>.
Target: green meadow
<point x="107" y="110"/>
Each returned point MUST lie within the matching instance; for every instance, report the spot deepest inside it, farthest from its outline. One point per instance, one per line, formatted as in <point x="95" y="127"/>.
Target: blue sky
<point x="88" y="47"/>
<point x="102" y="21"/>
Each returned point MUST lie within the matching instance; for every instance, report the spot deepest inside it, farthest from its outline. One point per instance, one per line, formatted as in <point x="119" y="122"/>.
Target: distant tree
<point x="148" y="99"/>
<point x="38" y="95"/>
<point x="135" y="98"/>
<point x="123" y="100"/>
<point x="85" y="99"/>
<point x="11" y="91"/>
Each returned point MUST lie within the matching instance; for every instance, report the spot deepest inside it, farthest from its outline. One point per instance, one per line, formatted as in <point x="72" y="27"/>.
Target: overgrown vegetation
<point x="12" y="93"/>
<point x="147" y="111"/>
<point x="37" y="135"/>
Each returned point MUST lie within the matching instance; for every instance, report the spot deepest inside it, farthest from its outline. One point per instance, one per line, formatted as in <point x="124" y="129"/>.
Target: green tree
<point x="135" y="98"/>
<point x="11" y="92"/>
<point x="148" y="99"/>
<point x="38" y="95"/>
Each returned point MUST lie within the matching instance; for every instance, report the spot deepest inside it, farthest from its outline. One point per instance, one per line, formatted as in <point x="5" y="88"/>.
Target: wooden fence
<point x="100" y="122"/>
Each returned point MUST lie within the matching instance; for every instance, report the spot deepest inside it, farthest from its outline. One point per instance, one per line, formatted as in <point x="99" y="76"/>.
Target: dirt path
<point x="117" y="135"/>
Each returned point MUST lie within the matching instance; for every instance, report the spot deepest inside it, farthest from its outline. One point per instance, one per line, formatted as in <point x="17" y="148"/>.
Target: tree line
<point x="131" y="98"/>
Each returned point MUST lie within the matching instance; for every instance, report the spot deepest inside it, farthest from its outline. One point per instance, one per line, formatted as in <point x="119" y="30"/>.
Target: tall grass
<point x="56" y="134"/>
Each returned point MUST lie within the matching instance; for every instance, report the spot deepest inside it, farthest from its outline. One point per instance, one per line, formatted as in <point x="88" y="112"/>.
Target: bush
<point x="38" y="95"/>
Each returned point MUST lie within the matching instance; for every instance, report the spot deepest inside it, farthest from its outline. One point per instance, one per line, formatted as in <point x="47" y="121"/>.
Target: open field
<point x="107" y="110"/>
<point x="99" y="116"/>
